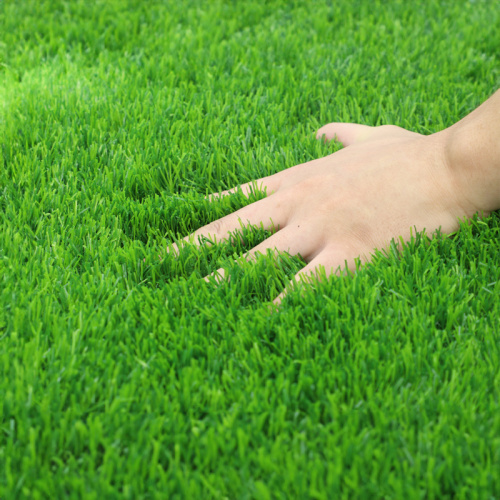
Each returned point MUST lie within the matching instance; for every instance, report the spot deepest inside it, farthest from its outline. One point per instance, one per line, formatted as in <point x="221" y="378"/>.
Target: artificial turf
<point x="125" y="378"/>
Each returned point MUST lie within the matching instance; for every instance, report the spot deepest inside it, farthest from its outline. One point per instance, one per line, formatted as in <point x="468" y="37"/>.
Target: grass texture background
<point x="121" y="378"/>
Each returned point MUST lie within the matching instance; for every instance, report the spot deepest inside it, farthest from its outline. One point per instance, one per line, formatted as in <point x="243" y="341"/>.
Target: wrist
<point x="472" y="151"/>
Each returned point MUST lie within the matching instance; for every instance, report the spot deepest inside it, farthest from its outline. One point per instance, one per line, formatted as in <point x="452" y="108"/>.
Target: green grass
<point x="121" y="378"/>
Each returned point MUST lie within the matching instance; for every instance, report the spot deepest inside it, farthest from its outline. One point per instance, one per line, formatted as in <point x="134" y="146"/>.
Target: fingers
<point x="270" y="213"/>
<point x="304" y="243"/>
<point x="286" y="240"/>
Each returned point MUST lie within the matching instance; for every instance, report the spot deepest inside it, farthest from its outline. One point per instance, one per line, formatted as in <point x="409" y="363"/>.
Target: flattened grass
<point x="130" y="378"/>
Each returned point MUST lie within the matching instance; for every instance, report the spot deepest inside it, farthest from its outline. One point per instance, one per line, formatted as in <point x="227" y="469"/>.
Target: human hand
<point x="386" y="183"/>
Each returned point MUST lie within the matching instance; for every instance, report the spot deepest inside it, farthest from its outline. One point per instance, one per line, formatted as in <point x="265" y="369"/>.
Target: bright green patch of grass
<point x="129" y="379"/>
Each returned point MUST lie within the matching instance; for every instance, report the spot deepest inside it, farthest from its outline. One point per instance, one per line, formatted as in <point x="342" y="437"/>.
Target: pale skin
<point x="386" y="183"/>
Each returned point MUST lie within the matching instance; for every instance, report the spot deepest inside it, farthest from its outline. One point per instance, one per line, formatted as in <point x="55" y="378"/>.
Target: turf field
<point x="126" y="376"/>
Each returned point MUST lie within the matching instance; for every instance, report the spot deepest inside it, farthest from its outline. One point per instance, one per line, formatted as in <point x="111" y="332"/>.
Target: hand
<point x="386" y="183"/>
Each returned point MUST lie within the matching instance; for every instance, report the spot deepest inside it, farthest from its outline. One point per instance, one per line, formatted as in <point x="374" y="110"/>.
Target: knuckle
<point x="220" y="227"/>
<point x="216" y="226"/>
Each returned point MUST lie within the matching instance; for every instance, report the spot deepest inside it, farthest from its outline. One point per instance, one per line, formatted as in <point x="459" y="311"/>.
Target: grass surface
<point x="129" y="379"/>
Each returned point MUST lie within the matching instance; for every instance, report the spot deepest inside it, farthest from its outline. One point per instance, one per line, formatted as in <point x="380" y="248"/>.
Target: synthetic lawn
<point x="125" y="378"/>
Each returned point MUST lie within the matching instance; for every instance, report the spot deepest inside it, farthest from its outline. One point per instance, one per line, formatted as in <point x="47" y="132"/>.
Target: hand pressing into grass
<point x="386" y="183"/>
